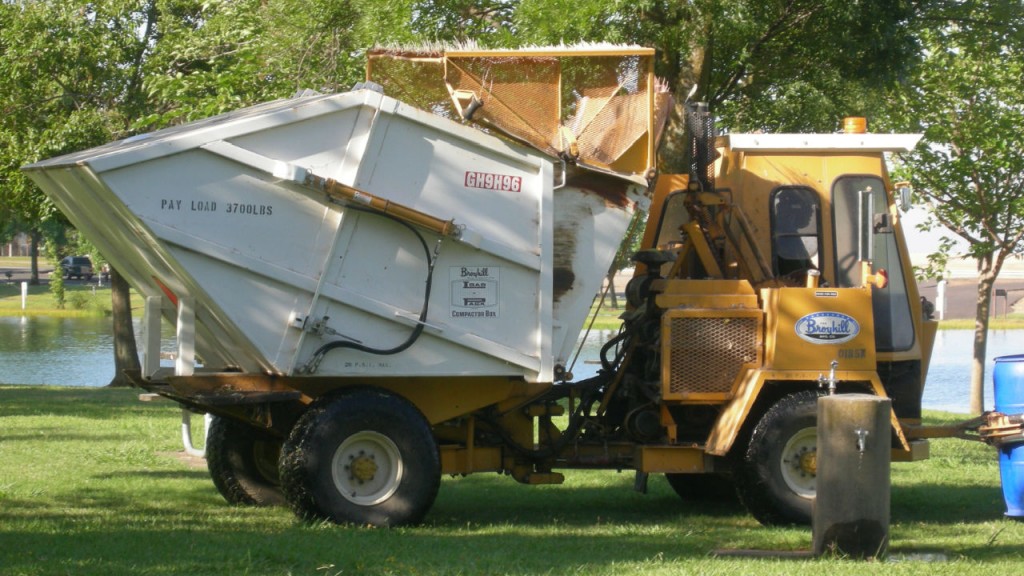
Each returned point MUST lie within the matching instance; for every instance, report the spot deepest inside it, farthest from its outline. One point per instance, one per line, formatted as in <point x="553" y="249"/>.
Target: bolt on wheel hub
<point x="809" y="463"/>
<point x="367" y="468"/>
<point x="799" y="464"/>
<point x="363" y="468"/>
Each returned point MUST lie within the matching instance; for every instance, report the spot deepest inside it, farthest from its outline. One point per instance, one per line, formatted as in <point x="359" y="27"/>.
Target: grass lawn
<point x="92" y="482"/>
<point x="24" y="262"/>
<point x="79" y="300"/>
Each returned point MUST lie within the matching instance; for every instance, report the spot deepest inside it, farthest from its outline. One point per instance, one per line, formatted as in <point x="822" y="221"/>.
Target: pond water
<point x="59" y="351"/>
<point x="79" y="352"/>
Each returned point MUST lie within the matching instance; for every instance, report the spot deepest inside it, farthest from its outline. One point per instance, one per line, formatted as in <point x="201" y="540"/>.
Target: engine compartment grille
<point x="703" y="351"/>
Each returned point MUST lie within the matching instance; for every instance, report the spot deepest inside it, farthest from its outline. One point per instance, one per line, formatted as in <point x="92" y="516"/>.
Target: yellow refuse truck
<point x="376" y="288"/>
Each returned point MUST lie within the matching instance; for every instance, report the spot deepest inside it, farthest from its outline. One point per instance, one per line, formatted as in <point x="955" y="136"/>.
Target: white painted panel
<point x="276" y="270"/>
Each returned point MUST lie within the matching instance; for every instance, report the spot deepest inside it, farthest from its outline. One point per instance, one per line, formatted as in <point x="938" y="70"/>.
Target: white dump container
<point x="215" y="215"/>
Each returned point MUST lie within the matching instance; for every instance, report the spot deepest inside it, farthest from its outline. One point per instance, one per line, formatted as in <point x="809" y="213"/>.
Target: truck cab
<point x="777" y="273"/>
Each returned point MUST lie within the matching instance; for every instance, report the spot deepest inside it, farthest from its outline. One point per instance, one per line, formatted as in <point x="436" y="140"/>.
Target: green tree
<point x="55" y="248"/>
<point x="970" y="167"/>
<point x="776" y="66"/>
<point x="58" y="75"/>
<point x="211" y="57"/>
<point x="772" y="66"/>
<point x="69" y="79"/>
<point x="78" y="73"/>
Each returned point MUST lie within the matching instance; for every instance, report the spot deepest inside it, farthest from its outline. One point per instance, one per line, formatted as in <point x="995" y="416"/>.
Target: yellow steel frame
<point x="735" y="413"/>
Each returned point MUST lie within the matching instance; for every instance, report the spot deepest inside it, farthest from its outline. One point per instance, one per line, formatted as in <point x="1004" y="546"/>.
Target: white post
<point x="185" y="363"/>
<point x="940" y="299"/>
<point x="186" y="433"/>
<point x="151" y="335"/>
<point x="24" y="294"/>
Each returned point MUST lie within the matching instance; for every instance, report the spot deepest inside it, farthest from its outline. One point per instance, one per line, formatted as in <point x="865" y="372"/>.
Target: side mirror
<point x="881" y="224"/>
<point x="904" y="195"/>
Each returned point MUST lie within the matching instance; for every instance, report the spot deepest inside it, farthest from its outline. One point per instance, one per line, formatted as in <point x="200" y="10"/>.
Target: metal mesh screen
<point x="518" y="95"/>
<point x="593" y="106"/>
<point x="707" y="353"/>
<point x="414" y="81"/>
<point x="702" y="144"/>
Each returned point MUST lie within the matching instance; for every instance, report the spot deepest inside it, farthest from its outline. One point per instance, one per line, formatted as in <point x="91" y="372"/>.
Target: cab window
<point x="796" y="222"/>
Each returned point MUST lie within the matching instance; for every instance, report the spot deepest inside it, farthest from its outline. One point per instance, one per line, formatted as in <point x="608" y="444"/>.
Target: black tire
<point x="367" y="457"/>
<point x="776" y="481"/>
<point x="703" y="487"/>
<point x="242" y="461"/>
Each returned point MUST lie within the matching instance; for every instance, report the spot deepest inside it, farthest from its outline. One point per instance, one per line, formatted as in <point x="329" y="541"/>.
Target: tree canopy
<point x="967" y="101"/>
<point x="61" y="74"/>
<point x="76" y="73"/>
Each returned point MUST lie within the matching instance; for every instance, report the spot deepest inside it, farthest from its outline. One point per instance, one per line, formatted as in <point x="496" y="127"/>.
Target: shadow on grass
<point x="150" y="517"/>
<point x="946" y="504"/>
<point x="228" y="543"/>
<point x="606" y="497"/>
<point x="194" y="474"/>
<point x="141" y="535"/>
<point x="174" y="522"/>
<point x="183" y="528"/>
<point x="51" y="434"/>
<point x="336" y="551"/>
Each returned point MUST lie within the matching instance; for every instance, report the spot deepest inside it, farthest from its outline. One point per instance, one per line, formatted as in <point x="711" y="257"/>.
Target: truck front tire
<point x="367" y="457"/>
<point x="776" y="481"/>
<point x="243" y="463"/>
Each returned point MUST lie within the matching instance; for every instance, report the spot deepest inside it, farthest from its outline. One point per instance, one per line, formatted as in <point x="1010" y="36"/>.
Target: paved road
<point x="962" y="297"/>
<point x="19" y="275"/>
<point x="23" y="274"/>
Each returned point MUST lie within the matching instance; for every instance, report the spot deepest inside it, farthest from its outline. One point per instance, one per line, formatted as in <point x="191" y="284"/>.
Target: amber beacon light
<point x="855" y="125"/>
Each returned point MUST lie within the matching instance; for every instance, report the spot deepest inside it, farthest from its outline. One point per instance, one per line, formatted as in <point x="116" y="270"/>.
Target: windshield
<point x="894" y="327"/>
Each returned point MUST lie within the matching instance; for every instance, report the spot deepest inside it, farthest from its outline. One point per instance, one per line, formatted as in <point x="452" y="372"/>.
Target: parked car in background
<point x="76" y="267"/>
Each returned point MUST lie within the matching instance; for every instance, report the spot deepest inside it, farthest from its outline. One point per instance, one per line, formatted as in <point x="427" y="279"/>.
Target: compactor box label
<point x="474" y="291"/>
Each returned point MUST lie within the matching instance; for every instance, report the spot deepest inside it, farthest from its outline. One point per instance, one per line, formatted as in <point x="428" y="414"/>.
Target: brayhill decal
<point x="827" y="328"/>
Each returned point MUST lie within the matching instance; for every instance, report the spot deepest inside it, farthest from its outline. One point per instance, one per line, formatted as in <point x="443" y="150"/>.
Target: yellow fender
<point x="727" y="428"/>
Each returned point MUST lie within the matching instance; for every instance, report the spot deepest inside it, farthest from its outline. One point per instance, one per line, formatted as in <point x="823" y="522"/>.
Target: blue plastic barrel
<point x="1008" y="378"/>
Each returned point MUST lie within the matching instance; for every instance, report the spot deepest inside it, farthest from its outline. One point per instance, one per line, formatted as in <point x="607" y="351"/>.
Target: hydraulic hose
<point x="318" y="356"/>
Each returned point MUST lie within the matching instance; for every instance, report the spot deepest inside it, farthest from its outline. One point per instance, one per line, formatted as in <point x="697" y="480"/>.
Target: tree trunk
<point x="611" y="289"/>
<point x="986" y="281"/>
<point x="126" y="354"/>
<point x="695" y="69"/>
<point x="34" y="253"/>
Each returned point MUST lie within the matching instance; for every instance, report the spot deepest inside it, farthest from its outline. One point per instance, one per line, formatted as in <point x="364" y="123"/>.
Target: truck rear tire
<point x="243" y="463"/>
<point x="367" y="457"/>
<point x="776" y="481"/>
